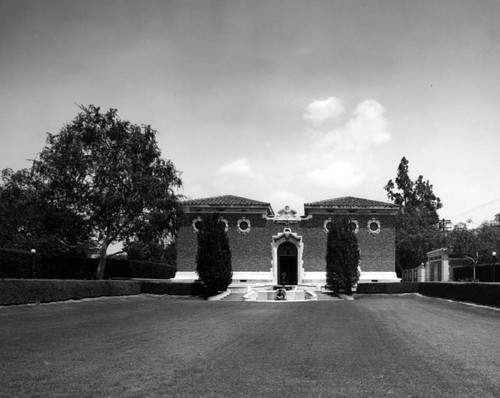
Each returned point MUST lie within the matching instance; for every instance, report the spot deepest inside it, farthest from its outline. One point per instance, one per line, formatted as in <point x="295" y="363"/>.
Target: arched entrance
<point x="288" y="263"/>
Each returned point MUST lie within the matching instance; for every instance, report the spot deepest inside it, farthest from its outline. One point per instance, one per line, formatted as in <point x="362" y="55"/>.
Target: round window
<point x="354" y="226"/>
<point x="374" y="226"/>
<point x="243" y="225"/>
<point x="224" y="224"/>
<point x="197" y="225"/>
<point x="327" y="225"/>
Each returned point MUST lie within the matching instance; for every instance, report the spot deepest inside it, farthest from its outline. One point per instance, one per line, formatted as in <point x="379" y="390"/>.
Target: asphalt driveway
<point x="148" y="346"/>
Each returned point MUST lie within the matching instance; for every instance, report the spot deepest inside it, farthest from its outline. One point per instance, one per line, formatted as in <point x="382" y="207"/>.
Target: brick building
<point x="264" y="245"/>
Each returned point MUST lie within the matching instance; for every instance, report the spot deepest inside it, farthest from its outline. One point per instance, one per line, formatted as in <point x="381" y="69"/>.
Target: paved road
<point x="377" y="346"/>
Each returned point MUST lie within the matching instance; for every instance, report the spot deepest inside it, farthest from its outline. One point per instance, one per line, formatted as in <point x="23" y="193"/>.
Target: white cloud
<point x="366" y="127"/>
<point x="369" y="123"/>
<point x="339" y="174"/>
<point x="339" y="153"/>
<point x="321" y="111"/>
<point x="240" y="167"/>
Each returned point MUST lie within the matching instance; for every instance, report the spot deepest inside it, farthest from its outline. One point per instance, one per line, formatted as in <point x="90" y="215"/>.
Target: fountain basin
<point x="272" y="293"/>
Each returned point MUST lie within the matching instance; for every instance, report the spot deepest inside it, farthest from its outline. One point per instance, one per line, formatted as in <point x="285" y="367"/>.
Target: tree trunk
<point x="102" y="261"/>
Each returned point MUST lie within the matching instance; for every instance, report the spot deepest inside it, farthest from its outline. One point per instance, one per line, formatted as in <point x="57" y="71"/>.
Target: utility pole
<point x="445" y="225"/>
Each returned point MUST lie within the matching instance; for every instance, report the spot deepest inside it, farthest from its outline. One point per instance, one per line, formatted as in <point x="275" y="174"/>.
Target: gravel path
<point x="148" y="346"/>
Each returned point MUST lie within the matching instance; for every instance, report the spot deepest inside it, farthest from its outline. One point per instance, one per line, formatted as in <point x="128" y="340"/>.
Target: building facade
<point x="266" y="246"/>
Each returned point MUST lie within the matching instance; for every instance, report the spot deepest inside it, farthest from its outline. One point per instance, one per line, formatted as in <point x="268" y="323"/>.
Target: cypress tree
<point x="213" y="260"/>
<point x="342" y="257"/>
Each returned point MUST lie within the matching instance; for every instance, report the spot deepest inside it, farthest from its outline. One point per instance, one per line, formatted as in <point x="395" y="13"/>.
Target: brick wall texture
<point x="252" y="251"/>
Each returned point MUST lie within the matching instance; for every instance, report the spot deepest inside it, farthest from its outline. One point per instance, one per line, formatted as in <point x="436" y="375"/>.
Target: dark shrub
<point x="213" y="260"/>
<point x="342" y="257"/>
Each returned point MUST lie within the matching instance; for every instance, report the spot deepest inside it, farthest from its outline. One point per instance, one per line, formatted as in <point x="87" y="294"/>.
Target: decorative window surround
<point x="195" y="221"/>
<point x="371" y="226"/>
<point x="355" y="222"/>
<point x="243" y="225"/>
<point x="224" y="221"/>
<point x="325" y="225"/>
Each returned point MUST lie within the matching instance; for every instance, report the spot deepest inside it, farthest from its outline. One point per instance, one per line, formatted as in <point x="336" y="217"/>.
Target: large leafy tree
<point x="28" y="221"/>
<point x="417" y="229"/>
<point x="153" y="242"/>
<point x="111" y="173"/>
<point x="213" y="259"/>
<point x="477" y="244"/>
<point x="342" y="257"/>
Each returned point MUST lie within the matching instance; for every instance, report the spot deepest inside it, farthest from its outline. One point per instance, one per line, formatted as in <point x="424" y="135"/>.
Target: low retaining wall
<point x="24" y="291"/>
<point x="477" y="292"/>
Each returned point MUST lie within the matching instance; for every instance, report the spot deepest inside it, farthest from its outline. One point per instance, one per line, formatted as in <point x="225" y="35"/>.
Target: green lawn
<point x="147" y="346"/>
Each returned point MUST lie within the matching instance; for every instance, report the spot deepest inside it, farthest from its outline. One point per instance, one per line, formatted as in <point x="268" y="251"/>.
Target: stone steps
<point x="234" y="297"/>
<point x="325" y="296"/>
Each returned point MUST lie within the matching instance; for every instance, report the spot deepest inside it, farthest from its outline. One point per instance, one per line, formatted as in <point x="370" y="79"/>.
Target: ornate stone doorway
<point x="287" y="249"/>
<point x="287" y="263"/>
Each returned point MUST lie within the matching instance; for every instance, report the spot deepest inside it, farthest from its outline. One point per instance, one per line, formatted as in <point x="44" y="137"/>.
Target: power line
<point x="477" y="208"/>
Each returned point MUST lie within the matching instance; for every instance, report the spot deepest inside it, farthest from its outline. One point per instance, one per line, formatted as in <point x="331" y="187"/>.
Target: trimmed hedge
<point x="388" y="288"/>
<point x="173" y="288"/>
<point x="24" y="291"/>
<point x="480" y="293"/>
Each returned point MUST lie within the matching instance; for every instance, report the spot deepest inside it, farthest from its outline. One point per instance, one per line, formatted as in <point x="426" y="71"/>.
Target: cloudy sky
<point x="278" y="100"/>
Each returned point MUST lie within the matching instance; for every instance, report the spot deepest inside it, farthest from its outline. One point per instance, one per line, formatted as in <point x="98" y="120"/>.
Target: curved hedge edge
<point x="474" y="292"/>
<point x="25" y="291"/>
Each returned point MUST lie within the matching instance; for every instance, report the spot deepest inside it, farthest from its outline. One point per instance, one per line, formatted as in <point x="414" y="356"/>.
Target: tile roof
<point x="351" y="202"/>
<point x="225" y="201"/>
